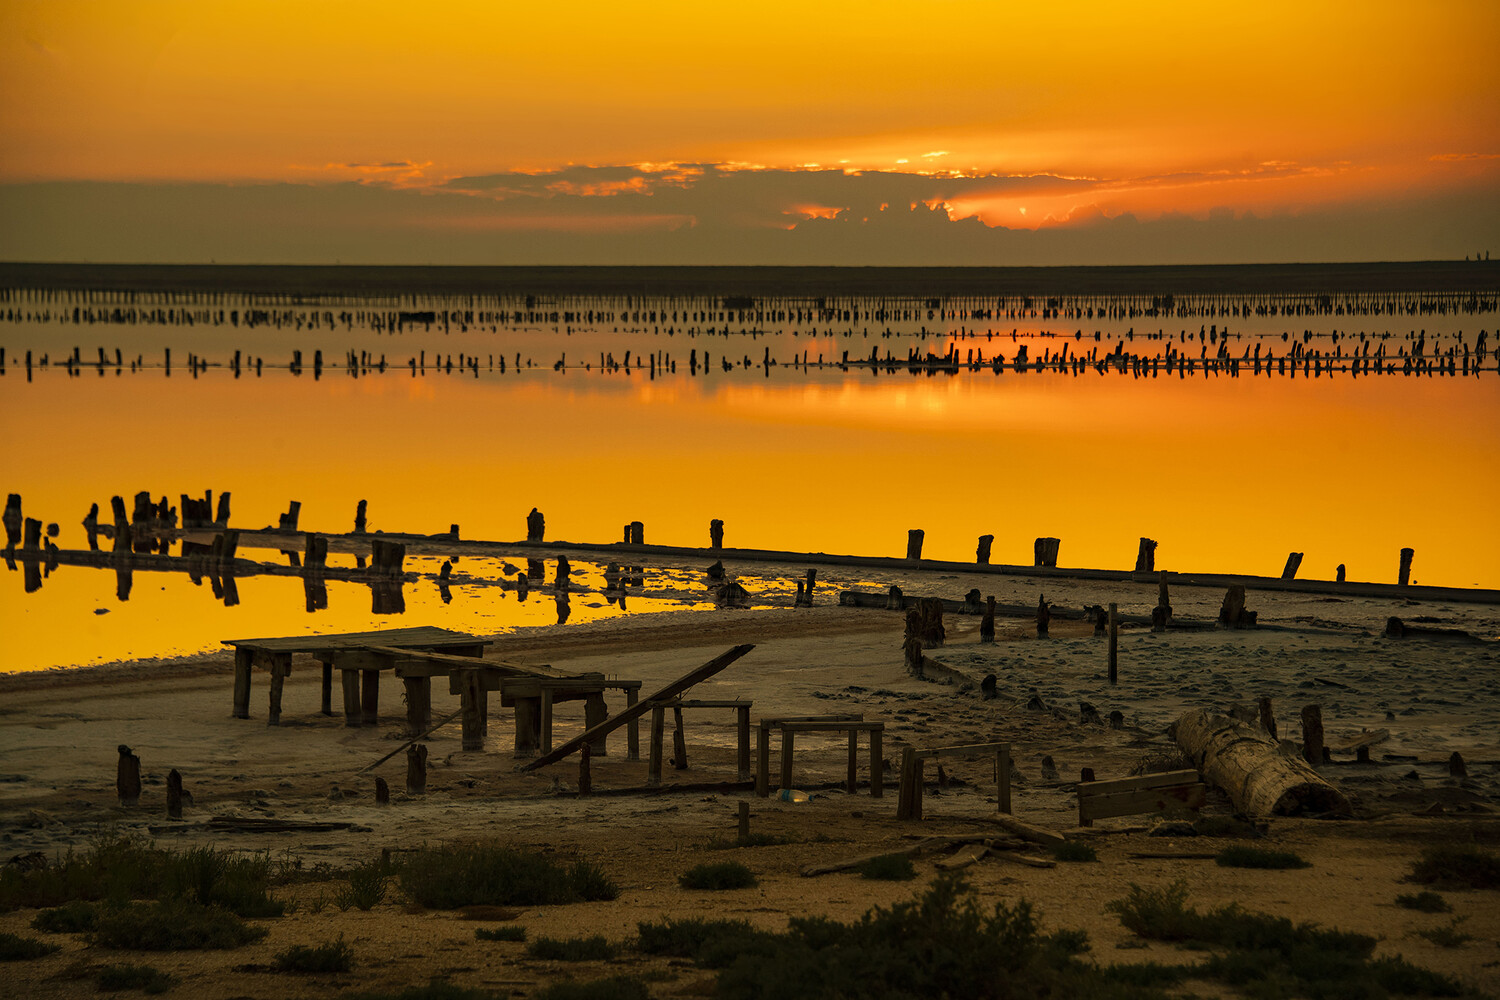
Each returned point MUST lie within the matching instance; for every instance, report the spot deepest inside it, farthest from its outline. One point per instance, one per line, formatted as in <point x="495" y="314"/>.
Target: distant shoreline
<point x="1450" y="277"/>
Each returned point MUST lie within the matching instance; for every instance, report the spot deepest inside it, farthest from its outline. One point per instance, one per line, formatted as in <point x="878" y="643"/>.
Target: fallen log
<point x="1260" y="779"/>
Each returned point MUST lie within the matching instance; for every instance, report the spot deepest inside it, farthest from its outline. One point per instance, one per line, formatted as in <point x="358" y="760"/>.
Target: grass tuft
<point x="332" y="956"/>
<point x="75" y="917"/>
<point x="1244" y="856"/>
<point x="364" y="887"/>
<point x="613" y="988"/>
<point x="460" y="875"/>
<point x="693" y="938"/>
<point x="14" y="948"/>
<point x="719" y="875"/>
<point x="1447" y="936"/>
<point x="435" y="989"/>
<point x="1453" y="866"/>
<point x="888" y="868"/>
<point x="176" y="925"/>
<point x="511" y="933"/>
<point x="112" y="978"/>
<point x="1073" y="850"/>
<point x="589" y="949"/>
<point x="1422" y="902"/>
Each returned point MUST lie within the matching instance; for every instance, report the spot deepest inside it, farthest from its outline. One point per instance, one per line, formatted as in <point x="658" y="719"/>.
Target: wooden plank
<point x="1365" y="740"/>
<point x="1030" y="860"/>
<point x="962" y="858"/>
<point x="780" y="720"/>
<point x="962" y="748"/>
<point x="640" y="708"/>
<point x="1034" y="834"/>
<point x="842" y="866"/>
<point x="1138" y="783"/>
<point x="1094" y="807"/>
<point x="423" y="635"/>
<point x="830" y="727"/>
<point x="711" y="704"/>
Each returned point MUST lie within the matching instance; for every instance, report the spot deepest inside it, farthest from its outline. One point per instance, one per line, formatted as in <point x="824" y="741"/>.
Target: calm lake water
<point x="1332" y="449"/>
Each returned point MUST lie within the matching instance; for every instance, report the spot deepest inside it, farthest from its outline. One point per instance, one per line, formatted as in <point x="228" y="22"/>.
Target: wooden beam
<point x="1103" y="806"/>
<point x="640" y="708"/>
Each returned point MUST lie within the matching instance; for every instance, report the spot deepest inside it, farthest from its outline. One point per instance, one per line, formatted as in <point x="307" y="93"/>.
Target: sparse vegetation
<point x="613" y="988"/>
<point x="332" y="956"/>
<point x="750" y="840"/>
<point x="511" y="933"/>
<point x="364" y="887"/>
<point x="1073" y="850"/>
<point x="14" y="948"/>
<point x="175" y="925"/>
<point x="455" y="876"/>
<point x="435" y="989"/>
<point x="1423" y="902"/>
<point x="76" y="917"/>
<point x="1457" y="866"/>
<point x="888" y="868"/>
<point x="692" y="938"/>
<point x="719" y="875"/>
<point x="1448" y="935"/>
<point x="589" y="949"/>
<point x="112" y="978"/>
<point x="1244" y="856"/>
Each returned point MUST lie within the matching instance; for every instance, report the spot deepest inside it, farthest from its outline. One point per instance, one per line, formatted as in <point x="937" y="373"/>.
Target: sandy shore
<point x="57" y="766"/>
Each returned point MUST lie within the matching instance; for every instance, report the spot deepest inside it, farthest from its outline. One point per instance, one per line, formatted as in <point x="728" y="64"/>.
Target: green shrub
<point x="718" y="875"/>
<point x="689" y="938"/>
<point x="1157" y="914"/>
<point x="1447" y="936"/>
<point x="435" y="989"/>
<point x="1451" y="866"/>
<point x="332" y="956"/>
<point x="218" y="878"/>
<point x="14" y="948"/>
<point x="1073" y="850"/>
<point x="613" y="988"/>
<point x="1422" y="902"/>
<point x="888" y="868"/>
<point x="364" y="887"/>
<point x="447" y="878"/>
<point x="111" y="978"/>
<point x="175" y="925"/>
<point x="511" y="933"/>
<point x="589" y="949"/>
<point x="1242" y="856"/>
<point x="75" y="917"/>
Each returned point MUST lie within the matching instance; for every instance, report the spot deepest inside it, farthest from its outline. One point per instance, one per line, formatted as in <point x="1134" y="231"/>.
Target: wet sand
<point x="57" y="744"/>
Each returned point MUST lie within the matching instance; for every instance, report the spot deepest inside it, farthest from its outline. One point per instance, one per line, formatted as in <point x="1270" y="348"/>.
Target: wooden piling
<point x="128" y="777"/>
<point x="987" y="623"/>
<point x="416" y="769"/>
<point x="716" y="540"/>
<point x="382" y="792"/>
<point x="471" y="697"/>
<point x="914" y="539"/>
<point x="1312" y="735"/>
<point x="359" y="517"/>
<point x="174" y="794"/>
<point x="1114" y="643"/>
<point x="1043" y="616"/>
<point x="1339" y="574"/>
<point x="1145" y="557"/>
<point x="637" y="533"/>
<point x="1267" y="717"/>
<point x="743" y="830"/>
<point x="1044" y="551"/>
<point x="982" y="551"/>
<point x="658" y="733"/>
<point x="585" y="776"/>
<point x="1405" y="572"/>
<point x="1293" y="561"/>
<point x="909" y="798"/>
<point x="679" y="740"/>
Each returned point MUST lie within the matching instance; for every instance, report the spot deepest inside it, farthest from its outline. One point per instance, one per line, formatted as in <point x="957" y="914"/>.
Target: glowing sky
<point x="749" y="133"/>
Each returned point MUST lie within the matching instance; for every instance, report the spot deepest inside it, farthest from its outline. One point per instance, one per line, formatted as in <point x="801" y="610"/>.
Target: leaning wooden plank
<point x="1025" y="859"/>
<point x="641" y="707"/>
<point x="447" y="660"/>
<point x="909" y="851"/>
<point x="429" y="732"/>
<point x="962" y="858"/>
<point x="1092" y="807"/>
<point x="1260" y="779"/>
<point x="964" y="748"/>
<point x="1138" y="783"/>
<point x="1034" y="834"/>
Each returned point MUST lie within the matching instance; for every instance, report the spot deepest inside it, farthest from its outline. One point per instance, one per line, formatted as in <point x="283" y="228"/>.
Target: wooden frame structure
<point x="790" y="726"/>
<point x="909" y="798"/>
<point x="658" y="734"/>
<point x="1143" y="794"/>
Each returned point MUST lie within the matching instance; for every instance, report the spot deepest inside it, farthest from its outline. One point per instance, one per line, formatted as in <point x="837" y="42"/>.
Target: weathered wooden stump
<point x="1405" y="572"/>
<point x="1339" y="574"/>
<point x="987" y="623"/>
<point x="925" y="622"/>
<point x="894" y="600"/>
<point x="128" y="777"/>
<point x="1232" y="613"/>
<point x="1312" y="734"/>
<point x="416" y="769"/>
<point x="382" y="792"/>
<point x="982" y="551"/>
<point x="1117" y="719"/>
<point x="359" y="517"/>
<point x="13" y="520"/>
<point x="1114" y="643"/>
<point x="536" y="526"/>
<point x="1267" y="716"/>
<point x="1043" y="616"/>
<point x="1145" y="557"/>
<point x="91" y="527"/>
<point x="637" y="533"/>
<point x="1456" y="766"/>
<point x="1045" y="551"/>
<point x="288" y="521"/>
<point x="1293" y="561"/>
<point x="716" y="534"/>
<point x="679" y="741"/>
<point x="174" y="794"/>
<point x="914" y="543"/>
<point x="812" y="581"/>
<point x="222" y="517"/>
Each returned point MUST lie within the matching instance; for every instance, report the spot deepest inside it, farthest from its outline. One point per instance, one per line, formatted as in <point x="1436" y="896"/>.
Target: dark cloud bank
<point x="690" y="214"/>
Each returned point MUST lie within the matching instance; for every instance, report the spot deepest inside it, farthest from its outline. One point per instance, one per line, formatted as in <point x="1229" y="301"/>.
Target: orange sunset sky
<point x="844" y="133"/>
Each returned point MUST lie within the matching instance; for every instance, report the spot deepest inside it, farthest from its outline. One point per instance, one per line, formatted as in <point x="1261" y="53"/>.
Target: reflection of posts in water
<point x="564" y="608"/>
<point x="387" y="598"/>
<point x="232" y="591"/>
<point x="535" y="570"/>
<point x="443" y="591"/>
<point x="122" y="524"/>
<point x="123" y="580"/>
<point x="564" y="573"/>
<point x="523" y="586"/>
<point x="31" y="572"/>
<point x="315" y="590"/>
<point x="91" y="527"/>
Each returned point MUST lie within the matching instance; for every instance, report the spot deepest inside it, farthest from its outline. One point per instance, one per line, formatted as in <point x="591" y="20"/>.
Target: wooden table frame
<point x="658" y="728"/>
<point x="791" y="725"/>
<point x="909" y="796"/>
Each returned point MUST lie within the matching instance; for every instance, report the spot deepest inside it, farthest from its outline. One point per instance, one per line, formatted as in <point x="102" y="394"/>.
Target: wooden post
<point x="982" y="551"/>
<point x="528" y="726"/>
<point x="1145" y="557"/>
<point x="743" y="832"/>
<point x="742" y="727"/>
<point x="596" y="711"/>
<point x="658" y="733"/>
<point x="585" y="778"/>
<point x="1267" y="716"/>
<point x="13" y="520"/>
<point x="877" y="764"/>
<point x="851" y="779"/>
<point x="1339" y="574"/>
<point x="1045" y="551"/>
<point x="1405" y="573"/>
<point x="787" y="739"/>
<point x="349" y="681"/>
<point x="174" y="794"/>
<point x="914" y="543"/>
<point x="1456" y="766"/>
<point x="716" y="538"/>
<point x="416" y="769"/>
<point x="679" y="740"/>
<point x="328" y="687"/>
<point x="1114" y="643"/>
<point x="382" y="792"/>
<point x="470" y="692"/>
<point x="1043" y="616"/>
<point x="987" y="623"/>
<point x="1002" y="783"/>
<point x="369" y="698"/>
<point x="128" y="777"/>
<point x="812" y="580"/>
<point x="910" y="804"/>
<point x="359" y="517"/>
<point x="1312" y="735"/>
<point x="418" y="704"/>
<point x="632" y="728"/>
<point x="222" y="517"/>
<point x="1289" y="571"/>
<point x="281" y="665"/>
<point x="546" y="708"/>
<point x="762" y="761"/>
<point x="637" y="533"/>
<point x="243" y="658"/>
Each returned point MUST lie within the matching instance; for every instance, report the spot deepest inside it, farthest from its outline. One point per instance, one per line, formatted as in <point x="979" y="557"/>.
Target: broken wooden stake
<point x="914" y="543"/>
<point x="128" y="777"/>
<point x="1312" y="734"/>
<point x="416" y="769"/>
<point x="174" y="794"/>
<point x="1405" y="572"/>
<point x="1114" y="643"/>
<point x="382" y="792"/>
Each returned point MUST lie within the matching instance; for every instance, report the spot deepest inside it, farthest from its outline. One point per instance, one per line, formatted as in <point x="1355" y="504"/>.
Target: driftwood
<point x="985" y="842"/>
<point x="1251" y="767"/>
<point x="1027" y="832"/>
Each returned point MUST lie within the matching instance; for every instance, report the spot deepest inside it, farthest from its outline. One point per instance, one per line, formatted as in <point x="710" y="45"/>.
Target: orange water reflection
<point x="1228" y="474"/>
